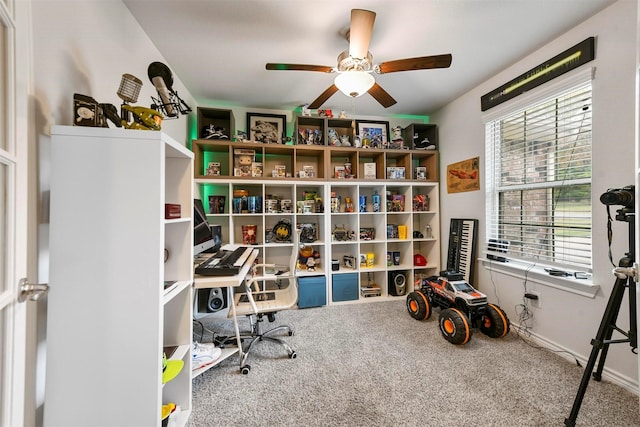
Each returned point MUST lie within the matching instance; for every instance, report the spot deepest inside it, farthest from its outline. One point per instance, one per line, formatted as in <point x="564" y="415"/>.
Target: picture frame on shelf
<point x="266" y="128"/>
<point x="378" y="132"/>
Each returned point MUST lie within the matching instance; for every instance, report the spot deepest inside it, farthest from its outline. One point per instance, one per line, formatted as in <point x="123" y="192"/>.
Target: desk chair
<point x="257" y="301"/>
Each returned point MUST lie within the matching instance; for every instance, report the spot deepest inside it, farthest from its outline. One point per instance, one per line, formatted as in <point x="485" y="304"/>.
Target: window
<point x="538" y="164"/>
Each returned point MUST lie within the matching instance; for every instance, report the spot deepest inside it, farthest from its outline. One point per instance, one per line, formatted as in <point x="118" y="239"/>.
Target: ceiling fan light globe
<point x="354" y="83"/>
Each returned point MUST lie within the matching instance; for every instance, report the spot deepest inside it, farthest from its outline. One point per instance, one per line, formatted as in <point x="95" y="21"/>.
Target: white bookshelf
<point x="108" y="314"/>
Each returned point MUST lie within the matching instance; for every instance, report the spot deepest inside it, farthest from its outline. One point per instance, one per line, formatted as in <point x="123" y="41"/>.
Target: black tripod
<point x="624" y="280"/>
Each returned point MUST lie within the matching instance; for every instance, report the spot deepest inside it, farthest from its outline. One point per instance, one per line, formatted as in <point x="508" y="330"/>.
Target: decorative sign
<point x="463" y="176"/>
<point x="571" y="58"/>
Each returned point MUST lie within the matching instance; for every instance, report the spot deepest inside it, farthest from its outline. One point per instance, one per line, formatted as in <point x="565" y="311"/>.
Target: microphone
<point x="164" y="93"/>
<point x="160" y="76"/>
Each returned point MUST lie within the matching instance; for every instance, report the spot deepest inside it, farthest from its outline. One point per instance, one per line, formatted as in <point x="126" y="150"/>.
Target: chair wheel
<point x="293" y="355"/>
<point x="245" y="369"/>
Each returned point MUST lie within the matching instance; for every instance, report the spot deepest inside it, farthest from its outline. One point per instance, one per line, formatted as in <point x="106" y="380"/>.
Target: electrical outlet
<point x="534" y="298"/>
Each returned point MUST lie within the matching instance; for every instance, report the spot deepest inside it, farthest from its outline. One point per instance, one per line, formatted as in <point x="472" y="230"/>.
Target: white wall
<point x="79" y="46"/>
<point x="564" y="319"/>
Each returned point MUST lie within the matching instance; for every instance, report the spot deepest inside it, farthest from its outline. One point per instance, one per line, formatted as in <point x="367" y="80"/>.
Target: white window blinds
<point x="539" y="179"/>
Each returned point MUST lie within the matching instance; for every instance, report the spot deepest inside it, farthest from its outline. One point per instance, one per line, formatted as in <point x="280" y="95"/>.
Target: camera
<point x="624" y="196"/>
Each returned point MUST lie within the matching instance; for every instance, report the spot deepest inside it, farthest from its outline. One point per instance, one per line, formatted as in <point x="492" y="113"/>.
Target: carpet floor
<point x="373" y="365"/>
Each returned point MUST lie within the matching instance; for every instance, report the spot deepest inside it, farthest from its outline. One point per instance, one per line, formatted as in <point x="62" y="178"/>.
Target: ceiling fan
<point x="355" y="65"/>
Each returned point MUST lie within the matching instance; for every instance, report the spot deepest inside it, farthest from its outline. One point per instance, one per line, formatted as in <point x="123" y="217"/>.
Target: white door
<point x="13" y="206"/>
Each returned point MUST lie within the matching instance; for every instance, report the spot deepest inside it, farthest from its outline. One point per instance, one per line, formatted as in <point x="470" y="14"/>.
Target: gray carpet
<point x="373" y="365"/>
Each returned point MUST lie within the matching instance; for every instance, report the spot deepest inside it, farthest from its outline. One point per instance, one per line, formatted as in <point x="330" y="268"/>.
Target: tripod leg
<point x="604" y="333"/>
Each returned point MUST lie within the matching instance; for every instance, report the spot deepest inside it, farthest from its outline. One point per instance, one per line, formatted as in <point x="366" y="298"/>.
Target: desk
<point x="228" y="282"/>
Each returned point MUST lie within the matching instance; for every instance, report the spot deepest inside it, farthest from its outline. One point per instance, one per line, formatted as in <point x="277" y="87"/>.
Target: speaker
<point x="216" y="300"/>
<point x="211" y="300"/>
<point x="397" y="282"/>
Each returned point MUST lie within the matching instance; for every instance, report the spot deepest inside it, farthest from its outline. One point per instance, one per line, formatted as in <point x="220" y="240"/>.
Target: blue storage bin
<point x="344" y="287"/>
<point x="312" y="291"/>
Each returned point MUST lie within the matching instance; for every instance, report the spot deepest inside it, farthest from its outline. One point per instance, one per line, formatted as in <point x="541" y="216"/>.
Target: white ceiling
<point x="219" y="48"/>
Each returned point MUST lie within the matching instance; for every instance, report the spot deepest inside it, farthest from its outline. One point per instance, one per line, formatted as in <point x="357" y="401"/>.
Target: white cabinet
<point x="109" y="316"/>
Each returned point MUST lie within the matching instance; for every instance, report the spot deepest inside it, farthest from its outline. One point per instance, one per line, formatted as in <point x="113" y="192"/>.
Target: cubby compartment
<point x="344" y="287"/>
<point x="310" y="199"/>
<point x="429" y="251"/>
<point x="424" y="166"/>
<point x="343" y="199"/>
<point x="310" y="162"/>
<point x="397" y="165"/>
<point x="342" y="163"/>
<point x="310" y="131"/>
<point x="398" y="282"/>
<point x="373" y="195"/>
<point x="421" y="136"/>
<point x="222" y="121"/>
<point x="278" y="230"/>
<point x="371" y="165"/>
<point x="344" y="130"/>
<point x="372" y="285"/>
<point x="248" y="229"/>
<point x="372" y="228"/>
<point x="401" y="255"/>
<point x="372" y="256"/>
<point x="277" y="161"/>
<point x="212" y="159"/>
<point x="312" y="291"/>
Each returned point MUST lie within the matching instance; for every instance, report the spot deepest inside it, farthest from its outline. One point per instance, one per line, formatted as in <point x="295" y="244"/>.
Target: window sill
<point x="537" y="274"/>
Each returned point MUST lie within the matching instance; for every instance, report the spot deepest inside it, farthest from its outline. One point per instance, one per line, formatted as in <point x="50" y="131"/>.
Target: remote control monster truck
<point x="462" y="308"/>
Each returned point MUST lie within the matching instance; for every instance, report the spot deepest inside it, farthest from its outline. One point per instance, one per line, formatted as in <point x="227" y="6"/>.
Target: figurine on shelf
<point x="213" y="132"/>
<point x="344" y="141"/>
<point x="333" y="136"/>
<point x="397" y="142"/>
<point x="241" y="136"/>
<point x="343" y="115"/>
<point x="306" y="112"/>
<point x="356" y="141"/>
<point x="366" y="139"/>
<point x="311" y="264"/>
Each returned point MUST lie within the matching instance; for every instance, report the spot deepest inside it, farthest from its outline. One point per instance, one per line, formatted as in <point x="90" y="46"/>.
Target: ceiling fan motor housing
<point x="347" y="62"/>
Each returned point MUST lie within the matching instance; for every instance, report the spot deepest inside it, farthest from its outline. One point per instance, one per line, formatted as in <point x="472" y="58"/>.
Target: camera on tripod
<point x="624" y="196"/>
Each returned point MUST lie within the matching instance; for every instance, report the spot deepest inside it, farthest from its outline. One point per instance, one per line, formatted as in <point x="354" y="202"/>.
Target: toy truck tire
<point x="495" y="323"/>
<point x="418" y="305"/>
<point x="455" y="326"/>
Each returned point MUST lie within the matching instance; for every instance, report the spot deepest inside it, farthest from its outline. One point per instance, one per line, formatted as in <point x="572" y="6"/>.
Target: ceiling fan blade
<point x="420" y="63"/>
<point x="300" y="67"/>
<point x="360" y="32"/>
<point x="323" y="97"/>
<point x="381" y="95"/>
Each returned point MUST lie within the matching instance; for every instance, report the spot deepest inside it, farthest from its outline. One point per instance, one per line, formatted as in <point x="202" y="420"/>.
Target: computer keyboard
<point x="224" y="263"/>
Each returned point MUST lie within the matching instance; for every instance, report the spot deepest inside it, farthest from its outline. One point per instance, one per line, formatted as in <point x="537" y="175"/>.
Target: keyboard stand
<point x="228" y="282"/>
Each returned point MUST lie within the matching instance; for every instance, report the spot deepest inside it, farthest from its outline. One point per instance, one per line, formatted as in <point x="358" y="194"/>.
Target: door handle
<point x="31" y="291"/>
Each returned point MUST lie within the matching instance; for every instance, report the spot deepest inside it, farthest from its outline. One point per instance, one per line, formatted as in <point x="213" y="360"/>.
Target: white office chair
<point x="258" y="300"/>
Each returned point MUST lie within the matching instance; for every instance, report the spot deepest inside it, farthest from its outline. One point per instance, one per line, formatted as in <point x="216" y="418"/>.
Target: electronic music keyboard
<point x="462" y="247"/>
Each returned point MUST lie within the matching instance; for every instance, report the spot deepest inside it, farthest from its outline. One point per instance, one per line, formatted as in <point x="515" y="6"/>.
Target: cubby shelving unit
<point x="120" y="276"/>
<point x="339" y="237"/>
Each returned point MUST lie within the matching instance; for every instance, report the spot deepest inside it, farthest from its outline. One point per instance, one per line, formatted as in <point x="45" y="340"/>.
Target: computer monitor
<point x="203" y="236"/>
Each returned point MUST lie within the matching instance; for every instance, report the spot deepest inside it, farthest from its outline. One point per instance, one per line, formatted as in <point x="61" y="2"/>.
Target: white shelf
<point x="107" y="239"/>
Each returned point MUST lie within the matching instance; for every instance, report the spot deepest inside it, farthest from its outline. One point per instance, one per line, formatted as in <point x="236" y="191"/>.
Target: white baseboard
<point x="623" y="381"/>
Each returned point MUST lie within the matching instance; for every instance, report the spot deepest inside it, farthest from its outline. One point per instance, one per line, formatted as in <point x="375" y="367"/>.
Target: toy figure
<point x="344" y="141"/>
<point x="397" y="140"/>
<point x="333" y="136"/>
<point x="244" y="164"/>
<point x="311" y="264"/>
<point x="306" y="112"/>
